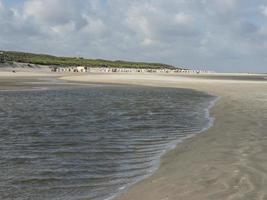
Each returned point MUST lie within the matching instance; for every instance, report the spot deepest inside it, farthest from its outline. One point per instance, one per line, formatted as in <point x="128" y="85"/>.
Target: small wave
<point x="93" y="142"/>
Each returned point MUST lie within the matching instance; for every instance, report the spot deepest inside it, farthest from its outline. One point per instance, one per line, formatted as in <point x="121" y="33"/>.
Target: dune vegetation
<point x="43" y="59"/>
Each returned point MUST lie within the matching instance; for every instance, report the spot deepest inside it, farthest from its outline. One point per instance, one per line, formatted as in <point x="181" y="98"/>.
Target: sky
<point x="218" y="35"/>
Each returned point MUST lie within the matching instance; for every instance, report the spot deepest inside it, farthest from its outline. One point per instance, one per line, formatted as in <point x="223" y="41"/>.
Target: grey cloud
<point x="223" y="35"/>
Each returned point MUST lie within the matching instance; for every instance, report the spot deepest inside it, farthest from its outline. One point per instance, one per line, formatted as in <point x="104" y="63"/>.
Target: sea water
<point x="93" y="142"/>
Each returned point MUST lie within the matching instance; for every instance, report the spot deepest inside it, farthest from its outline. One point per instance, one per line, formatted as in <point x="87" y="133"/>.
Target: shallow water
<point x="90" y="143"/>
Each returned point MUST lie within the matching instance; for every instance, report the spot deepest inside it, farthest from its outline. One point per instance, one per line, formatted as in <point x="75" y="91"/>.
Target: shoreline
<point x="173" y="145"/>
<point x="218" y="163"/>
<point x="212" y="104"/>
<point x="227" y="161"/>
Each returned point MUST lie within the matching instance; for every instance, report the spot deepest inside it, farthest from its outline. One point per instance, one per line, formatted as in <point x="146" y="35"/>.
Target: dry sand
<point x="226" y="162"/>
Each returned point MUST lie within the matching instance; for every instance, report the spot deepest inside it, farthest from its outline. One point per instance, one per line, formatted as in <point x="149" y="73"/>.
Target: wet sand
<point x="34" y="79"/>
<point x="226" y="162"/>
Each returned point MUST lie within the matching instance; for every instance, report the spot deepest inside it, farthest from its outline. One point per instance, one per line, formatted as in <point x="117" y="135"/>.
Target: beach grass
<point x="43" y="59"/>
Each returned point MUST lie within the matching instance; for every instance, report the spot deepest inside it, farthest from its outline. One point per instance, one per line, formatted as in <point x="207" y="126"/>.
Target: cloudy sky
<point x="221" y="35"/>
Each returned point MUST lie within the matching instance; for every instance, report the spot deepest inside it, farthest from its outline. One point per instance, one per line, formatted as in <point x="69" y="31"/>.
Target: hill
<point x="43" y="59"/>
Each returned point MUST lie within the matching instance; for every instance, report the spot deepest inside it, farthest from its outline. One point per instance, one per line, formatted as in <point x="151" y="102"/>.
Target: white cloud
<point x="182" y="18"/>
<point x="64" y="28"/>
<point x="1" y="6"/>
<point x="263" y="31"/>
<point x="148" y="42"/>
<point x="138" y="21"/>
<point x="264" y="10"/>
<point x="227" y="4"/>
<point x="48" y="11"/>
<point x="212" y="33"/>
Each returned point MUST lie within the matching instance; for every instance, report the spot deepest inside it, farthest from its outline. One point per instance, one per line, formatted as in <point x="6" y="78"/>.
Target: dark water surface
<point x="90" y="143"/>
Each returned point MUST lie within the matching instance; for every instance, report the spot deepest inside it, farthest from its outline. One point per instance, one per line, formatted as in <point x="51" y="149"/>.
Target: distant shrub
<point x="42" y="59"/>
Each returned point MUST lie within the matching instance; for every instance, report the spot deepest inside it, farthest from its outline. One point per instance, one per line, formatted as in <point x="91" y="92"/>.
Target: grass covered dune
<point x="226" y="162"/>
<point x="42" y="59"/>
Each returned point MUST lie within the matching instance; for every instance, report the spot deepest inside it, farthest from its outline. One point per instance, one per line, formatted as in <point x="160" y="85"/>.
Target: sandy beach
<point x="133" y="100"/>
<point x="226" y="162"/>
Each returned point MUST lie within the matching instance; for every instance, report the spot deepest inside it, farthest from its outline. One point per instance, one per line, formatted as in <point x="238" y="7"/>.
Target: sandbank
<point x="226" y="162"/>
